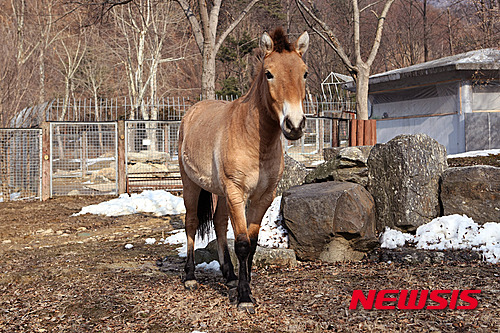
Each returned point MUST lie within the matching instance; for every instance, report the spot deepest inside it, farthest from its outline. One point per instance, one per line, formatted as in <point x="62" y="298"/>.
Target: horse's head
<point x="285" y="74"/>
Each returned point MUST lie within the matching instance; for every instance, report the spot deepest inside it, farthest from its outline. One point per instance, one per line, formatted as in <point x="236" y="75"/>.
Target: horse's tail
<point x="205" y="213"/>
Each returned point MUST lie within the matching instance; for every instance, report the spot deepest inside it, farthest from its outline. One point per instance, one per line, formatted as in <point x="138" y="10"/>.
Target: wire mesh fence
<point x="111" y="109"/>
<point x="166" y="108"/>
<point x="152" y="160"/>
<point x="83" y="158"/>
<point x="309" y="149"/>
<point x="84" y="153"/>
<point x="20" y="156"/>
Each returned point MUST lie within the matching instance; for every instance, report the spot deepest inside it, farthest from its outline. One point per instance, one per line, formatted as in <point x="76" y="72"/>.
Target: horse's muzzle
<point x="292" y="132"/>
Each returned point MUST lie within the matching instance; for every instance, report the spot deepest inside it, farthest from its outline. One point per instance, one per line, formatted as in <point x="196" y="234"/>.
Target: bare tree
<point x="359" y="69"/>
<point x="70" y="55"/>
<point x="48" y="32"/>
<point x="142" y="28"/>
<point x="205" y="28"/>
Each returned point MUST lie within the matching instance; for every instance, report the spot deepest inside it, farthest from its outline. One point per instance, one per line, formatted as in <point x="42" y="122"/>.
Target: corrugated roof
<point x="484" y="59"/>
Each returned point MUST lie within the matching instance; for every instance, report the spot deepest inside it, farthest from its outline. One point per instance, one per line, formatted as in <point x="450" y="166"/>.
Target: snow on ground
<point x="443" y="233"/>
<point x="452" y="232"/>
<point x="13" y="196"/>
<point x="476" y="153"/>
<point x="272" y="233"/>
<point x="158" y="203"/>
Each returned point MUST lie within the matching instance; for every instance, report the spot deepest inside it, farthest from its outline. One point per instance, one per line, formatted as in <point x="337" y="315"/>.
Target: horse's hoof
<point x="232" y="284"/>
<point x="191" y="285"/>
<point x="247" y="306"/>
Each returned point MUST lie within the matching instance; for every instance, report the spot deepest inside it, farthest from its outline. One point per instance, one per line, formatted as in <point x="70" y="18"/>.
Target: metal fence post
<point x="121" y="158"/>
<point x="45" y="164"/>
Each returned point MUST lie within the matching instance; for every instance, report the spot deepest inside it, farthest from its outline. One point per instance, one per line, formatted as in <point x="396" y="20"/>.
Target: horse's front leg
<point x="242" y="246"/>
<point x="256" y="211"/>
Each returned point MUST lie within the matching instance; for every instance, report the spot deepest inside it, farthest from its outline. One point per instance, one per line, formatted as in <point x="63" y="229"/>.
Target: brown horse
<point x="233" y="150"/>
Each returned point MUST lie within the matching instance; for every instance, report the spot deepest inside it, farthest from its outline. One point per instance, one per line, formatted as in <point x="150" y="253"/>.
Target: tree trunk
<point x="208" y="74"/>
<point x="362" y="92"/>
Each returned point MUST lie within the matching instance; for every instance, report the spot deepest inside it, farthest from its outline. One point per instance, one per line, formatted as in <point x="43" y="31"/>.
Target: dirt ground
<point x="61" y="273"/>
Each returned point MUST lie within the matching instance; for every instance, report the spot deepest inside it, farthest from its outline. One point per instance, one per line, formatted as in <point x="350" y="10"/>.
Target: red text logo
<point x="414" y="299"/>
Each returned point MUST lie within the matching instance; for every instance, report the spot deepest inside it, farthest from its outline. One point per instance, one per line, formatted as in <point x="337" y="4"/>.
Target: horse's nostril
<point x="303" y="123"/>
<point x="288" y="124"/>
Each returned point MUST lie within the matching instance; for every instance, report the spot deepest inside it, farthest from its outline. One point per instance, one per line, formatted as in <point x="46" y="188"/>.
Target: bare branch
<point x="233" y="25"/>
<point x="332" y="40"/>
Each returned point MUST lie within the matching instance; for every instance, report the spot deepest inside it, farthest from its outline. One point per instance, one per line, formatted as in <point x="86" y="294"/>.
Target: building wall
<point x="482" y="130"/>
<point x="447" y="130"/>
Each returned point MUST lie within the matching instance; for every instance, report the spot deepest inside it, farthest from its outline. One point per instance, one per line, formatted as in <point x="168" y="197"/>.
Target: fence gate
<point x="20" y="154"/>
<point x="151" y="157"/>
<point x="83" y="158"/>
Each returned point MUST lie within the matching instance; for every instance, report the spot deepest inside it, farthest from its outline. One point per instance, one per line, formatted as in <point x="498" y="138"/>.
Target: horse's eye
<point x="269" y="75"/>
<point x="305" y="75"/>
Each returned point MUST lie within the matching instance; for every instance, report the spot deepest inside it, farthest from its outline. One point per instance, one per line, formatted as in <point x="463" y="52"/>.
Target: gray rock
<point x="404" y="176"/>
<point x="293" y="174"/>
<point x="473" y="191"/>
<point x="345" y="164"/>
<point x="358" y="154"/>
<point x="317" y="215"/>
<point x="263" y="256"/>
<point x="340" y="249"/>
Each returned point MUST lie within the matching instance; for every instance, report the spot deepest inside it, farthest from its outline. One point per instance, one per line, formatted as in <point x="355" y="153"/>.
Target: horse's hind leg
<point x="221" y="221"/>
<point x="191" y="193"/>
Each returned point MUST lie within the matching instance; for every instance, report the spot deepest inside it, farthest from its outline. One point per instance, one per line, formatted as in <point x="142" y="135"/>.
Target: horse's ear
<point x="266" y="44"/>
<point x="302" y="43"/>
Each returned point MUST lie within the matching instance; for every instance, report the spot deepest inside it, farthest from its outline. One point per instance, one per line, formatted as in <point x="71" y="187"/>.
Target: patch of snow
<point x="452" y="232"/>
<point x="392" y="239"/>
<point x="128" y="246"/>
<point x="179" y="237"/>
<point x="272" y="234"/>
<point x="158" y="202"/>
<point x="316" y="163"/>
<point x="150" y="241"/>
<point x="13" y="196"/>
<point x="475" y="153"/>
<point x="212" y="266"/>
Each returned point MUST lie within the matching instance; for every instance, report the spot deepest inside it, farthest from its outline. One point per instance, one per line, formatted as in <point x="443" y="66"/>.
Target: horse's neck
<point x="263" y="128"/>
<point x="258" y="116"/>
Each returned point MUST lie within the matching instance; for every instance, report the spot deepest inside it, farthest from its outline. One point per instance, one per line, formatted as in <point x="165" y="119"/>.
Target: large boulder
<point x="345" y="164"/>
<point x="330" y="221"/>
<point x="294" y="174"/>
<point x="473" y="191"/>
<point x="403" y="178"/>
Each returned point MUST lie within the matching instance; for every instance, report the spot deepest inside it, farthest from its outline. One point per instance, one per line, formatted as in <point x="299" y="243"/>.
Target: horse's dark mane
<point x="280" y="41"/>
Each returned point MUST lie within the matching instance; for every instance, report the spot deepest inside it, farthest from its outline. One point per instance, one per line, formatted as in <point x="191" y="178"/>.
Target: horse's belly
<point x="201" y="174"/>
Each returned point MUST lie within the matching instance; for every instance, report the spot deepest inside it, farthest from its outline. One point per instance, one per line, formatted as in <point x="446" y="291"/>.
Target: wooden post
<point x="374" y="132"/>
<point x="335" y="133"/>
<point x="353" y="133"/>
<point x="120" y="159"/>
<point x="45" y="192"/>
<point x="360" y="132"/>
<point x="367" y="133"/>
